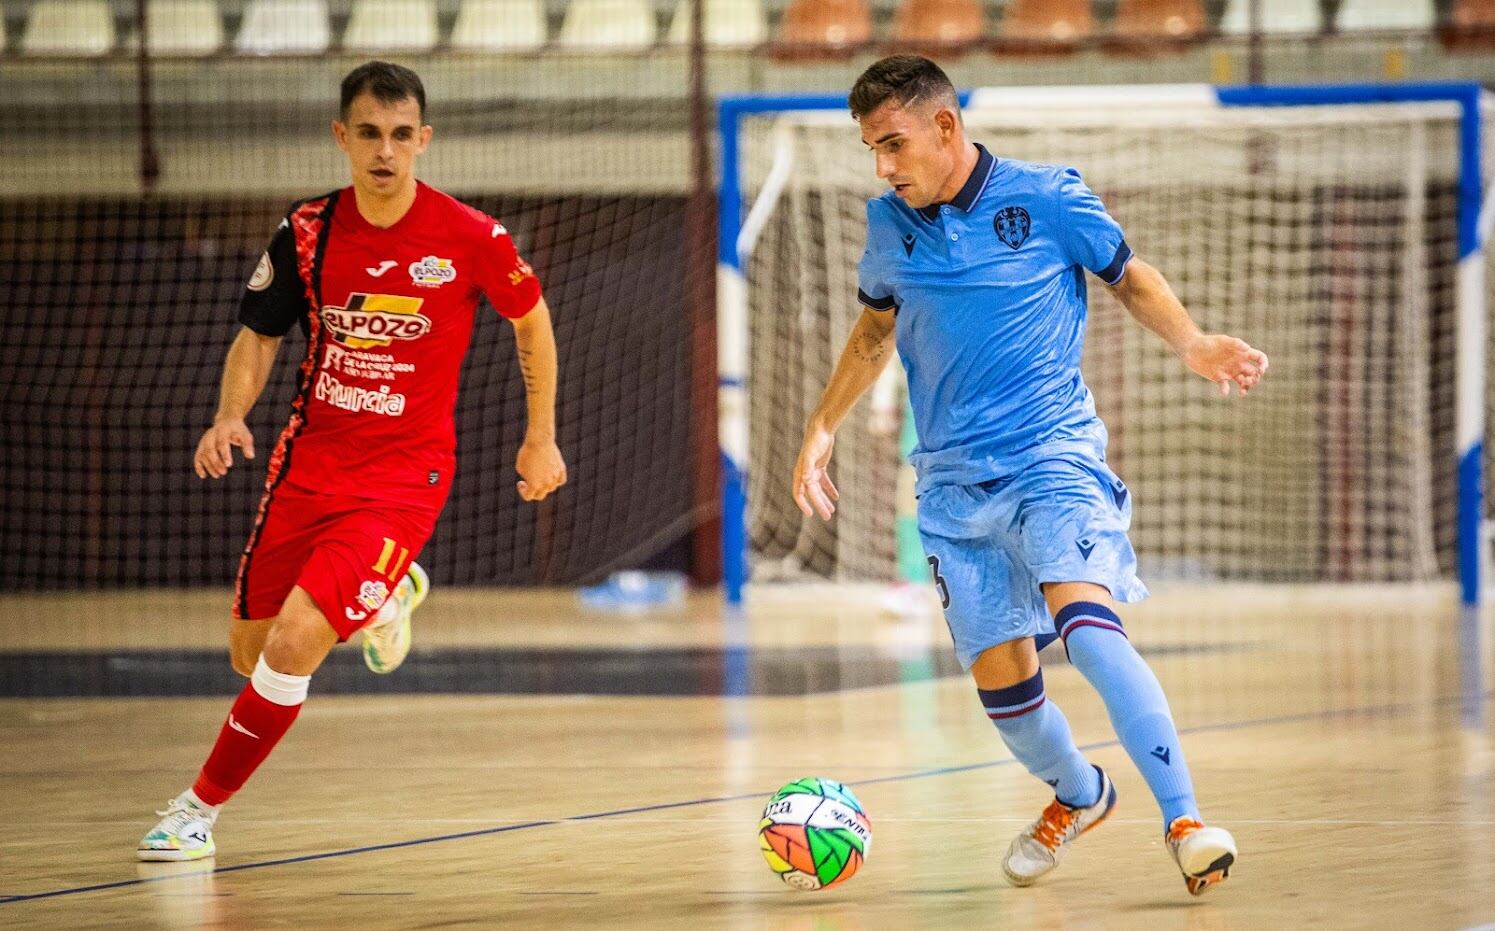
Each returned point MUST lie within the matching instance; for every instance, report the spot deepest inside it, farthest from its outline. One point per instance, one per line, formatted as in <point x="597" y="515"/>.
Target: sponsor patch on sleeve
<point x="264" y="273"/>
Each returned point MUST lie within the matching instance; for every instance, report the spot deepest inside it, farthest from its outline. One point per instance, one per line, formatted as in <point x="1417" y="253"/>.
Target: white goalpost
<point x="1338" y="228"/>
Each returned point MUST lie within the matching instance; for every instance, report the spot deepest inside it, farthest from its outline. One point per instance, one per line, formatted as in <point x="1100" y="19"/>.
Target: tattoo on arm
<point x="526" y="368"/>
<point x="869" y="347"/>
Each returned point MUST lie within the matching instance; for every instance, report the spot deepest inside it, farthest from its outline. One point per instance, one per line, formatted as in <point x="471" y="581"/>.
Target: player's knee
<point x="1005" y="664"/>
<point x="298" y="641"/>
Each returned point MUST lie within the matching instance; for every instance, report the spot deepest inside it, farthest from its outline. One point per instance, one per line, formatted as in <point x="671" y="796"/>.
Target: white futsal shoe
<point x="1041" y="845"/>
<point x="1204" y="855"/>
<point x="185" y="832"/>
<point x="386" y="642"/>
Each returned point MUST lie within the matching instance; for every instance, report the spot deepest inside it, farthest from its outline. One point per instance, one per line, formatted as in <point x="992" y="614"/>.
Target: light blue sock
<point x="1099" y="648"/>
<point x="1037" y="733"/>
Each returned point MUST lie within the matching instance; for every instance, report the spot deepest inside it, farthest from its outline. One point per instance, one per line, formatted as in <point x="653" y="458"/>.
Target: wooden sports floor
<point x="545" y="767"/>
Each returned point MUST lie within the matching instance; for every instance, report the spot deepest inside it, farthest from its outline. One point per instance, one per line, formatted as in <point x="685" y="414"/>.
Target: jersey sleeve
<point x="873" y="287"/>
<point x="274" y="299"/>
<point x="503" y="275"/>
<point x="1091" y="237"/>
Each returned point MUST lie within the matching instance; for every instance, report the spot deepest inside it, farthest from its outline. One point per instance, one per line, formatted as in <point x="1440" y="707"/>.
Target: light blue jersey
<point x="990" y="295"/>
<point x="1014" y="491"/>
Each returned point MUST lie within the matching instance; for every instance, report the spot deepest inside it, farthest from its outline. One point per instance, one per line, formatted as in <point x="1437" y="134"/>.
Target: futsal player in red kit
<point x="383" y="278"/>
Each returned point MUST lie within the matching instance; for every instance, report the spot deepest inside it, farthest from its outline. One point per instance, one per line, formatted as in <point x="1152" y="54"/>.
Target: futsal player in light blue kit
<point x="976" y="267"/>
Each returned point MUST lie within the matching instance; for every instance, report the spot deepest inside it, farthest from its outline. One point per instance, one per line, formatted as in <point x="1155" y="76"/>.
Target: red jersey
<point x="388" y="316"/>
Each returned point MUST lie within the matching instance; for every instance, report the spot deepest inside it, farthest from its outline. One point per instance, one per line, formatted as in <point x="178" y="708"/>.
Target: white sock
<point x="191" y="796"/>
<point x="278" y="687"/>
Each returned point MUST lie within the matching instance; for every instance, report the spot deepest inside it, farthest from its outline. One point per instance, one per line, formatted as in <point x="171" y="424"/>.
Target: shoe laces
<point x="180" y="812"/>
<point x="1181" y="828"/>
<point x="1055" y="825"/>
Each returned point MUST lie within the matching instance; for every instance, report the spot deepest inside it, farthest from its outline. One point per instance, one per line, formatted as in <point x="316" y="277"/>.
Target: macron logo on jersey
<point x="498" y="230"/>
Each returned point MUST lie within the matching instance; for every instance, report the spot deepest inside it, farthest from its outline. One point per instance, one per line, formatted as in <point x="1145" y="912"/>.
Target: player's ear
<point x="425" y="138"/>
<point x="340" y="134"/>
<point x="946" y="121"/>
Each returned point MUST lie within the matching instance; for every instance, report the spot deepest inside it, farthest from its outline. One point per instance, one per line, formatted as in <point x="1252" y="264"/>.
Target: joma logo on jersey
<point x="432" y="272"/>
<point x="376" y="320"/>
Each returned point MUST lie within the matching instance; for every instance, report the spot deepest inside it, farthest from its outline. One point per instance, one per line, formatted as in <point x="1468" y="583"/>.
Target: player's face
<point x="381" y="141"/>
<point x="915" y="148"/>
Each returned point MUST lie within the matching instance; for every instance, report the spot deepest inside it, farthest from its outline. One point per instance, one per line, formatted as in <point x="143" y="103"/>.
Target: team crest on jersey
<point x="431" y="272"/>
<point x="376" y="320"/>
<point x="1013" y="225"/>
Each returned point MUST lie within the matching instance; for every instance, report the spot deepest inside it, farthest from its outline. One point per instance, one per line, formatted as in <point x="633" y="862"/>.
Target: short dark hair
<point x="905" y="78"/>
<point x="389" y="83"/>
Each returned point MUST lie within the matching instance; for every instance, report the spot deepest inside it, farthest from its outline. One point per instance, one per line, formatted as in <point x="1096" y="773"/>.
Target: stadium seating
<point x="1277" y="16"/>
<point x="729" y="23"/>
<point x="183" y="27"/>
<point x="1045" y="24"/>
<point x="499" y="26"/>
<point x="812" y="27"/>
<point x="1360" y="15"/>
<point x="282" y="27"/>
<point x="68" y="28"/>
<point x="1471" y="25"/>
<point x="391" y="26"/>
<point x="931" y="24"/>
<point x="608" y="25"/>
<point x="1158" y="19"/>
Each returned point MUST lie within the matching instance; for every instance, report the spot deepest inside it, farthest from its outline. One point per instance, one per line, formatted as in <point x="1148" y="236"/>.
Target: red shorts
<point x="348" y="554"/>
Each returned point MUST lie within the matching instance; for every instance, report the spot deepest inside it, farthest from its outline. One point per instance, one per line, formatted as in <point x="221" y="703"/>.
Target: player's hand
<point x="215" y="450"/>
<point x="814" y="491"/>
<point x="1225" y="359"/>
<point x="541" y="469"/>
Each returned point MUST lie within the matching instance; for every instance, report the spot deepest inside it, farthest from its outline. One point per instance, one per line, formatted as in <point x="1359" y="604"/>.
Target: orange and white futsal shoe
<point x="1204" y="855"/>
<point x="1041" y="845"/>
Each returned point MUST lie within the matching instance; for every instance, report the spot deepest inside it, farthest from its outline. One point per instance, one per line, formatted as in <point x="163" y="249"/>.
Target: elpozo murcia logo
<point x="432" y="272"/>
<point x="376" y="320"/>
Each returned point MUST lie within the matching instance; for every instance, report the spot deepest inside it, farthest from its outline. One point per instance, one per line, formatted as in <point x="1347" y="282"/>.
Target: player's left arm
<point x="1215" y="356"/>
<point x="541" y="468"/>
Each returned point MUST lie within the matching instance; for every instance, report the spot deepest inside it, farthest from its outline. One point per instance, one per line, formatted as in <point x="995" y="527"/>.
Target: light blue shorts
<point x="991" y="546"/>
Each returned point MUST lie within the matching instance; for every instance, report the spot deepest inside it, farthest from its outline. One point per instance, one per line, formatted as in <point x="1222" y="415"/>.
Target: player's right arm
<point x="866" y="354"/>
<point x="274" y="300"/>
<point x="245" y="372"/>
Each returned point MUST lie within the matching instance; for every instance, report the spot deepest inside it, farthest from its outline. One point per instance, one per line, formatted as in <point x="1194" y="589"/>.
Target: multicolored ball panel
<point x="814" y="833"/>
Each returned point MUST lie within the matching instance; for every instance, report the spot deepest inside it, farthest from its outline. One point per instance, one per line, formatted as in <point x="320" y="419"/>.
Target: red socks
<point x="262" y="714"/>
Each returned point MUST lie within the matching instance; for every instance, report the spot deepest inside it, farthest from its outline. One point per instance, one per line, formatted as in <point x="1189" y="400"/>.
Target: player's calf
<point x="1037" y="733"/>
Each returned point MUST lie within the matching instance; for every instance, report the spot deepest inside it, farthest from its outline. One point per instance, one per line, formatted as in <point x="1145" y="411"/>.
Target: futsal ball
<point x="814" y="833"/>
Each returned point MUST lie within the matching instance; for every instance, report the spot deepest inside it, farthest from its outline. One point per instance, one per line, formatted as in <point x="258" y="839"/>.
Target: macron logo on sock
<point x="1163" y="754"/>
<point x="241" y="728"/>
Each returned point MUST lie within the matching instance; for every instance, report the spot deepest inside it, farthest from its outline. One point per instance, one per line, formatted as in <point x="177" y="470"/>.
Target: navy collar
<point x="965" y="198"/>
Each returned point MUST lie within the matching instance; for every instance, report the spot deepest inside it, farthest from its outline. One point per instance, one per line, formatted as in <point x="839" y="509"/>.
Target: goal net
<point x="1328" y="236"/>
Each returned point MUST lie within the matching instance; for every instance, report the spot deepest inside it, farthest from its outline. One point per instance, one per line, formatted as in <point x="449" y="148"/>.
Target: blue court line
<point x="1369" y="710"/>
